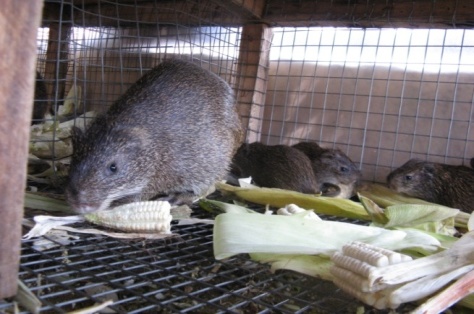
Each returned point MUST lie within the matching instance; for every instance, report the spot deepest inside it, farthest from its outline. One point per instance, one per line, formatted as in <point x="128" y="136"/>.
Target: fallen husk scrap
<point x="96" y="308"/>
<point x="27" y="299"/>
<point x="311" y="265"/>
<point x="280" y="198"/>
<point x="385" y="197"/>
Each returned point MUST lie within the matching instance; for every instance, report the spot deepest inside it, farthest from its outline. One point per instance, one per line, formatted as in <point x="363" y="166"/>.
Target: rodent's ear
<point x="429" y="167"/>
<point x="244" y="149"/>
<point x="139" y="135"/>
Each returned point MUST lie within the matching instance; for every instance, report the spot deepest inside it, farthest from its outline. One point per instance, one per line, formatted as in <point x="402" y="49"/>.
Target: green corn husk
<point x="311" y="265"/>
<point x="236" y="233"/>
<point x="280" y="198"/>
<point x="428" y="217"/>
<point x="303" y="243"/>
<point x="385" y="197"/>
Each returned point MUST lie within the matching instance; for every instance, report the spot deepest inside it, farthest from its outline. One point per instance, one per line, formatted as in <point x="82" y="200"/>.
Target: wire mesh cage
<point x="170" y="276"/>
<point x="382" y="82"/>
<point x="383" y="95"/>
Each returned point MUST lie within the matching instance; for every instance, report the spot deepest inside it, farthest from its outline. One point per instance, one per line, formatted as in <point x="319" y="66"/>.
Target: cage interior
<point x="383" y="88"/>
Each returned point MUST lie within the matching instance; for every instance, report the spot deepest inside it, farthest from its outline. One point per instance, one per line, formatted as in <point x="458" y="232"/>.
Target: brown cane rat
<point x="172" y="134"/>
<point x="443" y="184"/>
<point x="332" y="167"/>
<point x="276" y="166"/>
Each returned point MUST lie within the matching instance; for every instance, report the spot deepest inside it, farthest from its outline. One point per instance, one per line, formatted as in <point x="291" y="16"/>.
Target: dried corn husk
<point x="38" y="201"/>
<point x="72" y="102"/>
<point x="27" y="299"/>
<point x="52" y="139"/>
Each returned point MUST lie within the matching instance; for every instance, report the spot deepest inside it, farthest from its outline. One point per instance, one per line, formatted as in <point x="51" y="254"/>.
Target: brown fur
<point x="277" y="166"/>
<point x="443" y="184"/>
<point x="171" y="134"/>
<point x="311" y="149"/>
<point x="333" y="167"/>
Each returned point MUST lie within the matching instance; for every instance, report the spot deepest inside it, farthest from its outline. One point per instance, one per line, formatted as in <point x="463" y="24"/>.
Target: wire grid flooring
<point x="178" y="275"/>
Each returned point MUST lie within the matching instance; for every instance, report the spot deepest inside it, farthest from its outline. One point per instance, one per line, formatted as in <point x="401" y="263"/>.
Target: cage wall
<point x="101" y="62"/>
<point x="382" y="95"/>
<point x="369" y="83"/>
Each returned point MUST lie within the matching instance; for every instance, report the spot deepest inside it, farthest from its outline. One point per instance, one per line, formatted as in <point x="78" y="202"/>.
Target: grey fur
<point x="172" y="135"/>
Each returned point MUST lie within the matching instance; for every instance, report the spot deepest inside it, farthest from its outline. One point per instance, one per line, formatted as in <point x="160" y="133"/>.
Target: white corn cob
<point x="358" y="261"/>
<point x="375" y="256"/>
<point x="385" y="279"/>
<point x="147" y="217"/>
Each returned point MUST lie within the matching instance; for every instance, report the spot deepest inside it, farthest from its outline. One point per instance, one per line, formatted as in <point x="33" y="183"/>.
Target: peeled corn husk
<point x="385" y="197"/>
<point x="145" y="217"/>
<point x="280" y="198"/>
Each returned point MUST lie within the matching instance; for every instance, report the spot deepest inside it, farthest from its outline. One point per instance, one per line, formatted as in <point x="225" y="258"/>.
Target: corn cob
<point x="382" y="279"/>
<point x="147" y="217"/>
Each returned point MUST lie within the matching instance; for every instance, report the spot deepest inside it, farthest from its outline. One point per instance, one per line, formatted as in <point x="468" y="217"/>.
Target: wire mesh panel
<point x="168" y="276"/>
<point x="103" y="47"/>
<point x="382" y="95"/>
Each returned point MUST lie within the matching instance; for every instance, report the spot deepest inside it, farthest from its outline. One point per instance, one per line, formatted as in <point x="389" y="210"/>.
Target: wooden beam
<point x="56" y="66"/>
<point x="252" y="77"/>
<point x="346" y="13"/>
<point x="19" y="22"/>
<point x="191" y="13"/>
<point x="250" y="10"/>
<point x="373" y="13"/>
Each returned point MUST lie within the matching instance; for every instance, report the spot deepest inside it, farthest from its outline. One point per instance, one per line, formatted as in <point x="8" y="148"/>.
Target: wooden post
<point x="19" y="22"/>
<point x="252" y="76"/>
<point x="57" y="53"/>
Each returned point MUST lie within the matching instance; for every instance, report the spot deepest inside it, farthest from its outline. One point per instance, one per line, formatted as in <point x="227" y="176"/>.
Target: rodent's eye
<point x="408" y="177"/>
<point x="344" y="169"/>
<point x="113" y="167"/>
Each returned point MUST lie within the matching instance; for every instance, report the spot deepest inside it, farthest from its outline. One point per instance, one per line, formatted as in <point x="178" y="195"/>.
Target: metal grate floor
<point x="169" y="276"/>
